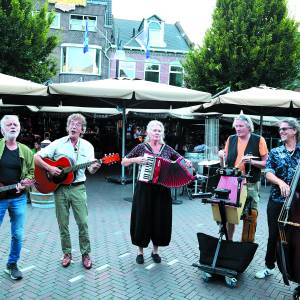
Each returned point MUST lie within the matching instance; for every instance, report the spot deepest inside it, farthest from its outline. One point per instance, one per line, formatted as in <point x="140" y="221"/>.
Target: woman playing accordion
<point x="151" y="214"/>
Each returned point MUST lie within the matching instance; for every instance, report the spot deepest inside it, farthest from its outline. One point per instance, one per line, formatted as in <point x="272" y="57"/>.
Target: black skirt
<point x="151" y="215"/>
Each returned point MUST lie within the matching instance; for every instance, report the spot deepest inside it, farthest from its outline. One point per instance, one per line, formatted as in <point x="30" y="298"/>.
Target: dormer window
<point x="155" y="34"/>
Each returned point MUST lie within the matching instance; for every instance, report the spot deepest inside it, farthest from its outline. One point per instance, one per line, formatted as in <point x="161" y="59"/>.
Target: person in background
<point x="36" y="146"/>
<point x="280" y="169"/>
<point x="238" y="149"/>
<point x="79" y="151"/>
<point x="151" y="214"/>
<point x="16" y="167"/>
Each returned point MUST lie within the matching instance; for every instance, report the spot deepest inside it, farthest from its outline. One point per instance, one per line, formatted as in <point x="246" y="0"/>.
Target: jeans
<point x="273" y="211"/>
<point x="16" y="208"/>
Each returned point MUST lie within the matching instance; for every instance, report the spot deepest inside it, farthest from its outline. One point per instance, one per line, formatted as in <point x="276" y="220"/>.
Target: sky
<point x="195" y="16"/>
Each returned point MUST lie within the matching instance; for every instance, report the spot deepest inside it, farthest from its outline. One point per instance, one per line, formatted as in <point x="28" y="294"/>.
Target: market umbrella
<point x="125" y="93"/>
<point x="15" y="90"/>
<point x="264" y="101"/>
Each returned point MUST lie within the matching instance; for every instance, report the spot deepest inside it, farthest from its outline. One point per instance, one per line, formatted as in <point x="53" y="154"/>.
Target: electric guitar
<point x="25" y="182"/>
<point x="46" y="183"/>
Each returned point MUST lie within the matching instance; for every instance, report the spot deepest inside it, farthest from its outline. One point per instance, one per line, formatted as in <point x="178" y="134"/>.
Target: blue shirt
<point x="282" y="163"/>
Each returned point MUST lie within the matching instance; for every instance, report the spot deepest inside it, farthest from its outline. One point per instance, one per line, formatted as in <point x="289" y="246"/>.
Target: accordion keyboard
<point x="146" y="171"/>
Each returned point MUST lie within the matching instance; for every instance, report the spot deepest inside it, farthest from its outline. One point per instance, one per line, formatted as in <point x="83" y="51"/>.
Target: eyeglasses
<point x="284" y="129"/>
<point x="78" y="125"/>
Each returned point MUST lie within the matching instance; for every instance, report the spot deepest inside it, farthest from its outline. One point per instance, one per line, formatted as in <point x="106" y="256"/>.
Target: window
<point x="77" y="22"/>
<point x="176" y="76"/>
<point x="56" y="21"/>
<point x="152" y="72"/>
<point x="127" y="69"/>
<point x="73" y="60"/>
<point x="155" y="35"/>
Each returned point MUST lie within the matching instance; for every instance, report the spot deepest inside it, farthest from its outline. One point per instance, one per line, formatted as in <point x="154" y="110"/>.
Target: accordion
<point x="171" y="174"/>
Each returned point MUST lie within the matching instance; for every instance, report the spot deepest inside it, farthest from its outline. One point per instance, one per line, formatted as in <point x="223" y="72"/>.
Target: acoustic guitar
<point x="46" y="183"/>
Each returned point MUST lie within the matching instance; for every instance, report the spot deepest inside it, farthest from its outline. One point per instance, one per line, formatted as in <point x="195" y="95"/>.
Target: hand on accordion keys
<point x="141" y="160"/>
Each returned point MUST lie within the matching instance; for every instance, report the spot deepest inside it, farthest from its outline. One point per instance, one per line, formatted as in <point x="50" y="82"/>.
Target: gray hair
<point x="245" y="119"/>
<point x="150" y="126"/>
<point x="292" y="123"/>
<point x="78" y="117"/>
<point x="5" y="118"/>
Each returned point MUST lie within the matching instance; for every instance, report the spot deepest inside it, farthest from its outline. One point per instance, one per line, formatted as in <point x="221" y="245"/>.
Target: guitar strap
<point x="77" y="155"/>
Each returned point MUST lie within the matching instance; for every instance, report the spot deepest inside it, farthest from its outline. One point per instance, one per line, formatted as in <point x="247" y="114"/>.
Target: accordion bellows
<point x="171" y="174"/>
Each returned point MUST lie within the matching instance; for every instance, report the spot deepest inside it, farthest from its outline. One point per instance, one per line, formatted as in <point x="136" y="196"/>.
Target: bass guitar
<point x="46" y="183"/>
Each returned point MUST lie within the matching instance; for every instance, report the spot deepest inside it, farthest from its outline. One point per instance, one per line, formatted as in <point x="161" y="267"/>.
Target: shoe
<point x="13" y="271"/>
<point x="156" y="258"/>
<point x="296" y="294"/>
<point x="67" y="259"/>
<point x="140" y="259"/>
<point x="264" y="273"/>
<point x="86" y="261"/>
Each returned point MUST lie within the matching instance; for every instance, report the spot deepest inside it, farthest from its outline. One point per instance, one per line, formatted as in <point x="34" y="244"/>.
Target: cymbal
<point x="208" y="162"/>
<point x="251" y="157"/>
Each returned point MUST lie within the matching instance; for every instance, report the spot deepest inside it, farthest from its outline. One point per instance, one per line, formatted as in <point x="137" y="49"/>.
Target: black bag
<point x="235" y="256"/>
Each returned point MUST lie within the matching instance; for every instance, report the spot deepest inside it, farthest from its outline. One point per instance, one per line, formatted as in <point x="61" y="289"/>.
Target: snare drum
<point x="233" y="214"/>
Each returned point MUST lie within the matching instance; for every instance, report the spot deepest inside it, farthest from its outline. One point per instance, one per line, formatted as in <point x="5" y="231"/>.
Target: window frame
<point x="153" y="71"/>
<point x="127" y="62"/>
<point x="90" y="17"/>
<point x="64" y="59"/>
<point x="176" y="72"/>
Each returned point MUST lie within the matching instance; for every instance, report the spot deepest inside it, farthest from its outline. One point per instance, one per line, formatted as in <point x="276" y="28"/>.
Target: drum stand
<point x="210" y="270"/>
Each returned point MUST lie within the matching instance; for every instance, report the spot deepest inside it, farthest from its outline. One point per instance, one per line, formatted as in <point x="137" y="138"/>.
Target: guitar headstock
<point x="110" y="158"/>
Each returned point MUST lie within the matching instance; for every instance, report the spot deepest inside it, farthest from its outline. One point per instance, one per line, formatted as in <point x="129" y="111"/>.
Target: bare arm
<point x="140" y="160"/>
<point x="284" y="188"/>
<point x="261" y="164"/>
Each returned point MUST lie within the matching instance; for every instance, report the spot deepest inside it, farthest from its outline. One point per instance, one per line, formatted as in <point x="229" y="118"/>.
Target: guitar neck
<point x="81" y="166"/>
<point x="7" y="187"/>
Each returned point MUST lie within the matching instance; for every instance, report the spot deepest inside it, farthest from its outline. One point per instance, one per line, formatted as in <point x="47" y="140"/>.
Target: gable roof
<point x="175" y="38"/>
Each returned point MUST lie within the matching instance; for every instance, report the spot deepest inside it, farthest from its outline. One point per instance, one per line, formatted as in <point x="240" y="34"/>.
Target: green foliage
<point x="26" y="45"/>
<point x="250" y="43"/>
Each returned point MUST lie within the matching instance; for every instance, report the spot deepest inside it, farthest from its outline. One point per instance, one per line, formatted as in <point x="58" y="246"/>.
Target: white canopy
<point x="10" y="85"/>
<point x="262" y="100"/>
<point x="128" y="89"/>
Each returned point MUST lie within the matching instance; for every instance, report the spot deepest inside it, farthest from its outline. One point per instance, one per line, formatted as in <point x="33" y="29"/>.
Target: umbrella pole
<point x="123" y="179"/>
<point x="261" y="125"/>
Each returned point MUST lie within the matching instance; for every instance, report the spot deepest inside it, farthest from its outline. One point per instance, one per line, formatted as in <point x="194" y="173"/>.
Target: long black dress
<point x="151" y="214"/>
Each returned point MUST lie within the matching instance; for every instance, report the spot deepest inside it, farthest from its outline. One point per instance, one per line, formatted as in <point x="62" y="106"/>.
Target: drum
<point x="210" y="169"/>
<point x="233" y="214"/>
<point x="41" y="200"/>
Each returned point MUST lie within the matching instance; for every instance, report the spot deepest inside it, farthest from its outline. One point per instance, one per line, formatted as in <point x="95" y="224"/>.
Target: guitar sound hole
<point x="60" y="178"/>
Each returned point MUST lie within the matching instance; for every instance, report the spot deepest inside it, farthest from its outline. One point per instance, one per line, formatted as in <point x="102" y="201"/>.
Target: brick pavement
<point x="115" y="275"/>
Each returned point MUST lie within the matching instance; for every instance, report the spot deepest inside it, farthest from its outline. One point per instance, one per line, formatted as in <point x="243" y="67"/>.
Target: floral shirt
<point x="165" y="151"/>
<point x="282" y="163"/>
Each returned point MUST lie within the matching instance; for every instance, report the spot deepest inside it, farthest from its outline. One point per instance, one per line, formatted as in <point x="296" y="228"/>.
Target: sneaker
<point x="264" y="273"/>
<point x="86" y="261"/>
<point x="156" y="258"/>
<point x="139" y="259"/>
<point x="67" y="259"/>
<point x="13" y="271"/>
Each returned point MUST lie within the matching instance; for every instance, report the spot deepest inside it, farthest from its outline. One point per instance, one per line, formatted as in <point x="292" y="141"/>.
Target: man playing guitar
<point x="79" y="151"/>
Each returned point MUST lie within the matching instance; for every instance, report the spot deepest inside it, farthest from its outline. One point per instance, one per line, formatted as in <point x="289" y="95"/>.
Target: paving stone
<point x="109" y="221"/>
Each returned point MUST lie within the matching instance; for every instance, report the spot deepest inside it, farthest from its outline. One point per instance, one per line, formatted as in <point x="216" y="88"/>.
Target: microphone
<point x="75" y="149"/>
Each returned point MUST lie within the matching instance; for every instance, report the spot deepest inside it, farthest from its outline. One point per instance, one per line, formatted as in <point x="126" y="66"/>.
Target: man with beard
<point x="16" y="168"/>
